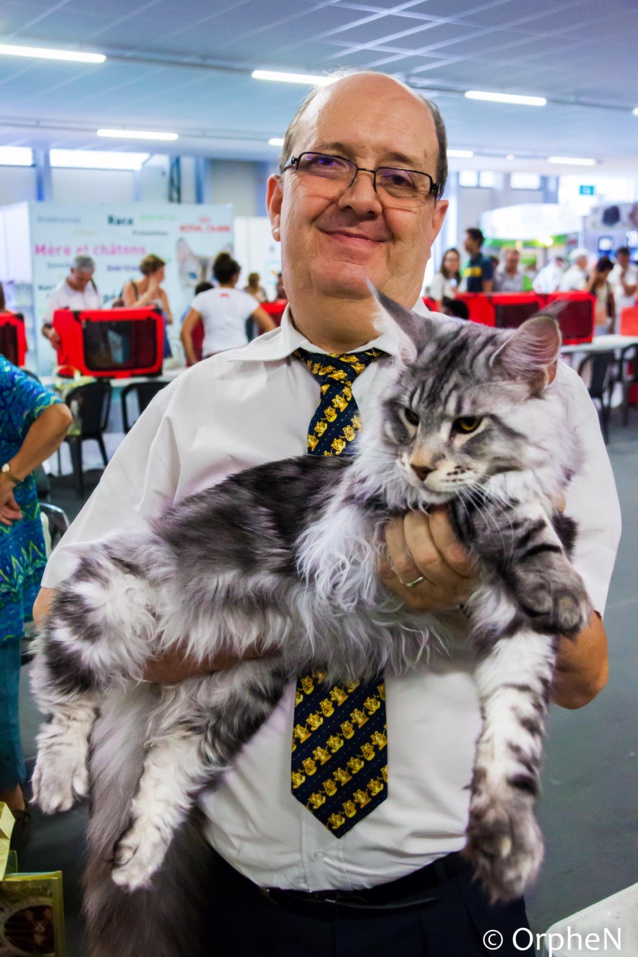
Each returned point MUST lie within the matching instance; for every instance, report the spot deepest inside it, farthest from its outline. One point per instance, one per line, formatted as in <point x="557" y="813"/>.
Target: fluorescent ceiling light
<point x="292" y="77"/>
<point x="462" y="154"/>
<point x="635" y="112"/>
<point x="9" y="49"/>
<point x="138" y="135"/>
<point x="276" y="141"/>
<point x="96" y="159"/>
<point x="506" y="98"/>
<point x="572" y="160"/>
<point x="16" y="156"/>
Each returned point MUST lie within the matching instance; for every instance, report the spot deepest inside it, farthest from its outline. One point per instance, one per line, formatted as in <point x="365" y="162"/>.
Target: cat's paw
<point x="504" y="846"/>
<point x="138" y="854"/>
<point x="558" y="605"/>
<point x="60" y="779"/>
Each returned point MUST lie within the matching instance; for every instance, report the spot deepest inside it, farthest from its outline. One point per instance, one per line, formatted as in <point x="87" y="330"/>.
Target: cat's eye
<point x="466" y="424"/>
<point x="411" y="416"/>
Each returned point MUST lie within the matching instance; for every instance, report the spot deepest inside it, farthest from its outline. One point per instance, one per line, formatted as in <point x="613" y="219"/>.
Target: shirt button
<point x="319" y="856"/>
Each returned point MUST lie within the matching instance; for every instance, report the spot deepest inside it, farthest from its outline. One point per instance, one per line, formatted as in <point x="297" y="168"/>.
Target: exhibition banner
<point x="187" y="237"/>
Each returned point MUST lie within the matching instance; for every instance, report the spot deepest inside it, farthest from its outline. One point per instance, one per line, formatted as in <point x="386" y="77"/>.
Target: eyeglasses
<point x="330" y="176"/>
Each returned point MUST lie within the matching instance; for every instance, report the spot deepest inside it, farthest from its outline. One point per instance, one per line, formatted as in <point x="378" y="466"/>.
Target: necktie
<point x="339" y="746"/>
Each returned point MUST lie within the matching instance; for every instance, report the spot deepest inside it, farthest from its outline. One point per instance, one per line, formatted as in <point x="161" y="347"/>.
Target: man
<point x="548" y="278"/>
<point x="509" y="277"/>
<point x="478" y="274"/>
<point x="254" y="405"/>
<point x="624" y="280"/>
<point x="77" y="291"/>
<point x="575" y="279"/>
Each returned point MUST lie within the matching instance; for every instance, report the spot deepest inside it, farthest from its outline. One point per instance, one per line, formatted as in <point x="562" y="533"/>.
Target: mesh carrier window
<point x="511" y="315"/>
<point x="119" y="344"/>
<point x="9" y="342"/>
<point x="575" y="318"/>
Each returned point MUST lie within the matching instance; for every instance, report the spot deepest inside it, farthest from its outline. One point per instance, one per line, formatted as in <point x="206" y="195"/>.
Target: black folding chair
<point x="145" y="391"/>
<point x="599" y="372"/>
<point x="90" y="405"/>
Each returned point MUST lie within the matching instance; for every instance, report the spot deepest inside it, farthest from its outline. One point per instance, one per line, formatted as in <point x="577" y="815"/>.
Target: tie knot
<point x="338" y="370"/>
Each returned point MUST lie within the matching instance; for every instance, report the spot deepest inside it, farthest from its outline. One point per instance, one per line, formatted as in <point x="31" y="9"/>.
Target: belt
<point x="420" y="889"/>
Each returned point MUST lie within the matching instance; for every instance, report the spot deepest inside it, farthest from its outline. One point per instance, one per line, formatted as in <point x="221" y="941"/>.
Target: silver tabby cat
<point x="283" y="558"/>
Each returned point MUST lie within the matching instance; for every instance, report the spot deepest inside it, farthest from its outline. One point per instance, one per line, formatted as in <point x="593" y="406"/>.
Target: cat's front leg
<point x="61" y="777"/>
<point x="504" y="842"/>
<point x="520" y="542"/>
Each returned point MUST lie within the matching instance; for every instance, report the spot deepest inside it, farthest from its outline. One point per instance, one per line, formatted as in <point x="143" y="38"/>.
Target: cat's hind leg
<point x="196" y="731"/>
<point x="504" y="842"/>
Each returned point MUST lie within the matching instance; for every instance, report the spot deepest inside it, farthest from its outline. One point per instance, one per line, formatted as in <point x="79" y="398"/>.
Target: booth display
<point x="13" y="340"/>
<point x="113" y="343"/>
<point x="503" y="310"/>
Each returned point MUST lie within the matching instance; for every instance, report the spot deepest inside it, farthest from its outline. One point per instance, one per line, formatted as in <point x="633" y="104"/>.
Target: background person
<point x="280" y="292"/>
<point x="478" y="273"/>
<point x="253" y="406"/>
<point x="547" y="280"/>
<point x="600" y="286"/>
<point x="575" y="279"/>
<point x="224" y="312"/>
<point x="624" y="280"/>
<point x="78" y="291"/>
<point x="33" y="423"/>
<point x="148" y="291"/>
<point x="509" y="277"/>
<point x="255" y="289"/>
<point x="445" y="283"/>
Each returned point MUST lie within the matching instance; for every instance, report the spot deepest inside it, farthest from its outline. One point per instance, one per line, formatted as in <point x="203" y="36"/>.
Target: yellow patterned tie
<point x="339" y="747"/>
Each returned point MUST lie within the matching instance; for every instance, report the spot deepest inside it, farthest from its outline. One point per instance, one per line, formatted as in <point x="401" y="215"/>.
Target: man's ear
<point x="274" y="199"/>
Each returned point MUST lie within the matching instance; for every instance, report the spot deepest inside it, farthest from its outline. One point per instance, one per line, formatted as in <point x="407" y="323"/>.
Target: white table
<point x="613" y="342"/>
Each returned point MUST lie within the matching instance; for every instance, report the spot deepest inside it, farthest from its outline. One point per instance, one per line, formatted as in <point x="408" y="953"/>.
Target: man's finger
<point x="401" y="563"/>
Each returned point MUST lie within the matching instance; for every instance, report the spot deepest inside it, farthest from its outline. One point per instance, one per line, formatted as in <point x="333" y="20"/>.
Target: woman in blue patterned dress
<point x="33" y="423"/>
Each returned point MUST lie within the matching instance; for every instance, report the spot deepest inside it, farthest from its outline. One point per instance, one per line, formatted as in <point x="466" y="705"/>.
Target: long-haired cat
<point x="283" y="558"/>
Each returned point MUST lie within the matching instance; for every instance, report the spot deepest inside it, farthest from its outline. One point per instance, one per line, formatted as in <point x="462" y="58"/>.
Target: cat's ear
<point x="408" y="327"/>
<point x="183" y="251"/>
<point x="531" y="353"/>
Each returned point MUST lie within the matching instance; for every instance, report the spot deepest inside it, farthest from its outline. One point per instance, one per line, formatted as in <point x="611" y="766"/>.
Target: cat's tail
<point x="166" y="919"/>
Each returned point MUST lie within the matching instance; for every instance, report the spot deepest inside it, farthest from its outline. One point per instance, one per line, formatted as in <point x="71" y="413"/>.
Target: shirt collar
<point x="282" y="342"/>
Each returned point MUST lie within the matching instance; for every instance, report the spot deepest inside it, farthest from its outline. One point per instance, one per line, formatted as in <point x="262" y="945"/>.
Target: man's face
<point x="334" y="246"/>
<point x="622" y="259"/>
<point x="470" y="245"/>
<point x="581" y="262"/>
<point x="512" y="260"/>
<point x="80" y="278"/>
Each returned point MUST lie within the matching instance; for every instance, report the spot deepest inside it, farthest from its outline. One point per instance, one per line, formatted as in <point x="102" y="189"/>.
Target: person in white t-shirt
<point x="624" y="280"/>
<point x="548" y="278"/>
<point x="77" y="291"/>
<point x="224" y="312"/>
<point x="575" y="279"/>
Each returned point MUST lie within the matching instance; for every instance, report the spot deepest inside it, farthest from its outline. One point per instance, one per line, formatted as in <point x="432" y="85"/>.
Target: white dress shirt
<point x="622" y="300"/>
<point x="251" y="406"/>
<point x="63" y="297"/>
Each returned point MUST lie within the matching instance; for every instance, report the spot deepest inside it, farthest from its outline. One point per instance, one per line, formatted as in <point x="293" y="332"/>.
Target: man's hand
<point x="425" y="547"/>
<point x="52" y="335"/>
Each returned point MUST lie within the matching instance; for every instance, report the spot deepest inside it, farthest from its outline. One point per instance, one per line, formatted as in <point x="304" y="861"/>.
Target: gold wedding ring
<point x="417" y="581"/>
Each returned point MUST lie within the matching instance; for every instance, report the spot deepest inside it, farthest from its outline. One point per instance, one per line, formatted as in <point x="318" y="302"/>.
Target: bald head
<point x="368" y="86"/>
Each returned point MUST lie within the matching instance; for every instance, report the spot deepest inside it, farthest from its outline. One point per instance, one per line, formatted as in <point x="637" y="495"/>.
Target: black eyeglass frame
<point x="293" y="163"/>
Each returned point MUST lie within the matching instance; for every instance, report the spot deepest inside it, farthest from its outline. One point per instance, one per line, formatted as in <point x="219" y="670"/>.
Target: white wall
<point x="17" y="184"/>
<point x="92" y="186"/>
<point x="239" y="183"/>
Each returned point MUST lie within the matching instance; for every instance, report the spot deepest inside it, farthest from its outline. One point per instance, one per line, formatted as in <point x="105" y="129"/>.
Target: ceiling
<point x="185" y="66"/>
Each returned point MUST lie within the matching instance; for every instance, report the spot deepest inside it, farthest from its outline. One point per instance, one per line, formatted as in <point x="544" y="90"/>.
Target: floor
<point x="588" y="812"/>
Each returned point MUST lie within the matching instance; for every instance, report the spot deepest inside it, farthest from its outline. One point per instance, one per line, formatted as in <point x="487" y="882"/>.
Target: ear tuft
<point x="408" y="327"/>
<point x="531" y="352"/>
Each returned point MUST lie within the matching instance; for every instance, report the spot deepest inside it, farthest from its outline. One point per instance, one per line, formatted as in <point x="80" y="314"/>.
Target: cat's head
<point x="466" y="401"/>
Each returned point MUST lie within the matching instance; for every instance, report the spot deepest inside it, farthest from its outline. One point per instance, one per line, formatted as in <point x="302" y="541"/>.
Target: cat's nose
<point x="421" y="471"/>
